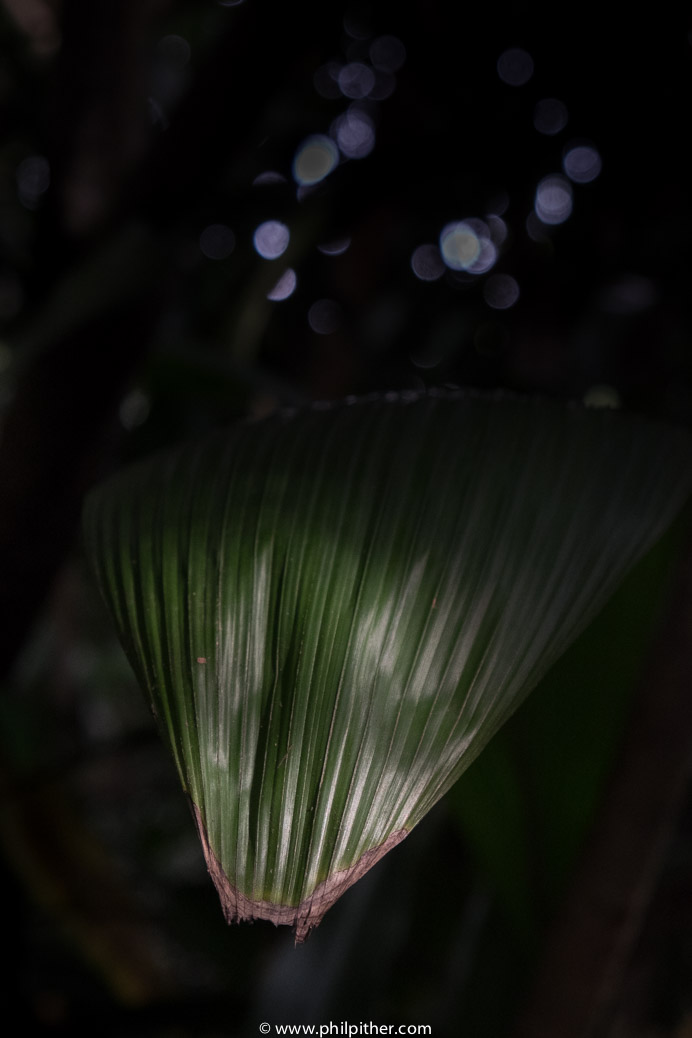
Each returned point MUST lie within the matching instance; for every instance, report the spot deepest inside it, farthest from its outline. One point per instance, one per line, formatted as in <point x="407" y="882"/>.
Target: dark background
<point x="127" y="128"/>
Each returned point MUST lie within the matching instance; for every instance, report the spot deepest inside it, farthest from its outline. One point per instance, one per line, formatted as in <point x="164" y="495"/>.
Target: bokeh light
<point x="134" y="409"/>
<point x="459" y="245"/>
<point x="515" y="66"/>
<point x="217" y="241"/>
<point x="315" y="159"/>
<point x="581" y="163"/>
<point x="356" y="25"/>
<point x="269" y="176"/>
<point x="602" y="396"/>
<point x="427" y="263"/>
<point x="501" y="291"/>
<point x="169" y="72"/>
<point x="387" y="53"/>
<point x="284" y="287"/>
<point x="487" y="250"/>
<point x="157" y="116"/>
<point x="355" y="133"/>
<point x="553" y="200"/>
<point x="324" y="316"/>
<point x="335" y="248"/>
<point x="498" y="229"/>
<point x="33" y="180"/>
<point x="271" y="239"/>
<point x="550" y="116"/>
<point x="356" y="80"/>
<point x="486" y="258"/>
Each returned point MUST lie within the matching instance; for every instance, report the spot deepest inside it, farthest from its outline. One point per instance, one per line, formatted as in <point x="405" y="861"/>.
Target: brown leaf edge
<point x="238" y="908"/>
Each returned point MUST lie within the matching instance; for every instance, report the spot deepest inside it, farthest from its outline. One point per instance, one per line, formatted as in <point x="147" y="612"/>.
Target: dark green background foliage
<point x="119" y="333"/>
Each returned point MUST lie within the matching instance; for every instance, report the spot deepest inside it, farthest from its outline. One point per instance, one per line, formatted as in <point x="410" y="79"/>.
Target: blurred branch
<point x="579" y="983"/>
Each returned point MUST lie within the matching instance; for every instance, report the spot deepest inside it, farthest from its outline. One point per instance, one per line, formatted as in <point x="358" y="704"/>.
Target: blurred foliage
<point x="119" y="146"/>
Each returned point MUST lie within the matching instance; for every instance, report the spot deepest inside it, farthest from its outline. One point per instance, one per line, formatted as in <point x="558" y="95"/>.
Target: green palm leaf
<point x="333" y="611"/>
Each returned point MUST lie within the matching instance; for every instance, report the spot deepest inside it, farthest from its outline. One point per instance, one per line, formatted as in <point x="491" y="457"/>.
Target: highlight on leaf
<point x="332" y="611"/>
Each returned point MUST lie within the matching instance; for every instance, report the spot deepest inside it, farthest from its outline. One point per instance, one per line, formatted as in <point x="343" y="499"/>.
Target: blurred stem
<point x="592" y="940"/>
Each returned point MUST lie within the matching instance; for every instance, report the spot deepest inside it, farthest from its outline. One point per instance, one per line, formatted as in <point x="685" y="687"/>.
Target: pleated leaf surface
<point x="333" y="611"/>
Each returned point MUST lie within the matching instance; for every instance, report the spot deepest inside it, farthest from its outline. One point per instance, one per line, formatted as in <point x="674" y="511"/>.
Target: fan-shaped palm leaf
<point x="332" y="612"/>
